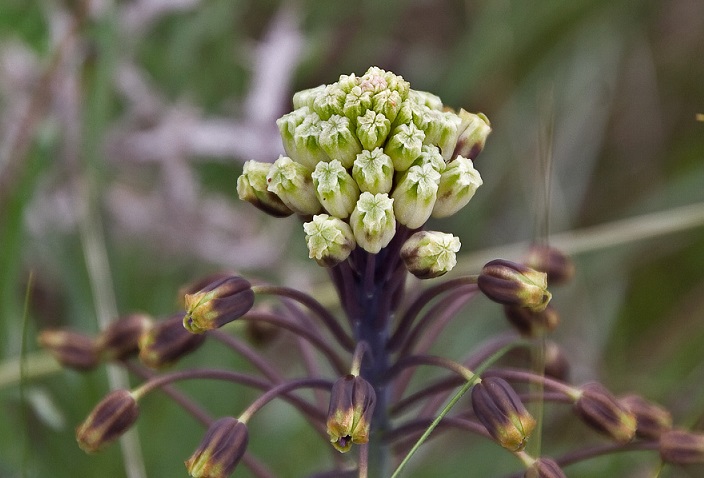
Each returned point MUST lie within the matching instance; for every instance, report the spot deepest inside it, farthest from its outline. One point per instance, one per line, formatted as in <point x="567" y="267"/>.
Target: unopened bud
<point x="112" y="417"/>
<point x="558" y="266"/>
<point x="530" y="323"/>
<point x="357" y="102"/>
<point x="415" y="194"/>
<point x="352" y="402"/>
<point x="220" y="451"/>
<point x="252" y="187"/>
<point x="291" y="181"/>
<point x="373" y="171"/>
<point x="200" y="283"/>
<point x="652" y="420"/>
<point x="373" y="222"/>
<point x="335" y="188"/>
<point x="388" y="103"/>
<point x="500" y="410"/>
<point x="682" y="447"/>
<point x="473" y="131"/>
<point x="544" y="468"/>
<point x="288" y="123"/>
<point x="429" y="254"/>
<point x="120" y="339"/>
<point x="339" y="141"/>
<point x="166" y="342"/>
<point x="514" y="284"/>
<point x="70" y="349"/>
<point x="556" y="364"/>
<point x="372" y="129"/>
<point x="458" y="183"/>
<point x="217" y="304"/>
<point x="404" y="145"/>
<point x="598" y="408"/>
<point x="330" y="240"/>
<point x="306" y="97"/>
<point x="430" y="154"/>
<point x="330" y="101"/>
<point x="305" y="141"/>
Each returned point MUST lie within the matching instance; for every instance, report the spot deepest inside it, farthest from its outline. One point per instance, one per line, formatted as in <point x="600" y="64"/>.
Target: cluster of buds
<point x="364" y="156"/>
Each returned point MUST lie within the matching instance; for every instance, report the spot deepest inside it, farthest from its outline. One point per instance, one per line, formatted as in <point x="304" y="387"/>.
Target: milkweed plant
<point x="368" y="161"/>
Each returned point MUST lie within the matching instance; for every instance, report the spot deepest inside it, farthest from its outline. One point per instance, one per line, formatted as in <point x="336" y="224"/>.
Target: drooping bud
<point x="473" y="131"/>
<point x="544" y="467"/>
<point x="352" y="402"/>
<point x="404" y="146"/>
<point x="339" y="141"/>
<point x="200" y="283"/>
<point x="514" y="284"/>
<point x="458" y="183"/>
<point x="682" y="447"/>
<point x="558" y="266"/>
<point x="220" y="451"/>
<point x="252" y="187"/>
<point x="336" y="190"/>
<point x="120" y="339"/>
<point x="530" y="323"/>
<point x="112" y="417"/>
<point x="652" y="420"/>
<point x="373" y="222"/>
<point x="429" y="254"/>
<point x="70" y="349"/>
<point x="415" y="194"/>
<point x="291" y="181"/>
<point x="167" y="342"/>
<point x="217" y="304"/>
<point x="598" y="408"/>
<point x="373" y="171"/>
<point x="372" y="129"/>
<point x="501" y="411"/>
<point x="330" y="240"/>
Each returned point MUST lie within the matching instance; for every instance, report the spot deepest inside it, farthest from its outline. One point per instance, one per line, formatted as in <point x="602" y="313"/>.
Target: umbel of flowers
<point x="367" y="162"/>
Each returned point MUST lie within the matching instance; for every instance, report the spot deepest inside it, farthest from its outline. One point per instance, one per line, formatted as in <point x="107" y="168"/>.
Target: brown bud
<point x="166" y="342"/>
<point x="112" y="417"/>
<point x="217" y="304"/>
<point x="70" y="349"/>
<point x="599" y="409"/>
<point x="544" y="468"/>
<point x="221" y="449"/>
<point x="198" y="284"/>
<point x="652" y="420"/>
<point x="502" y="413"/>
<point x="530" y="323"/>
<point x="514" y="284"/>
<point x="556" y="364"/>
<point x="352" y="402"/>
<point x="120" y="339"/>
<point x="558" y="266"/>
<point x="682" y="447"/>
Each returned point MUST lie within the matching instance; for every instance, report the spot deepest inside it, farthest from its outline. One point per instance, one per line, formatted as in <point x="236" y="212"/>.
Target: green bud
<point x="511" y="283"/>
<point x="397" y="83"/>
<point x="473" y="131"/>
<point x="357" y="102"/>
<point x="442" y="130"/>
<point x="292" y="183"/>
<point x="330" y="240"/>
<point x="347" y="82"/>
<point x="430" y="154"/>
<point x="217" y="304"/>
<point x="372" y="129"/>
<point x="458" y="184"/>
<point x="221" y="449"/>
<point x="335" y="188"/>
<point x="329" y="102"/>
<point x="252" y="187"/>
<point x="374" y="80"/>
<point x="388" y="103"/>
<point x="414" y="195"/>
<point x="307" y="97"/>
<point x="71" y="349"/>
<point x="287" y="125"/>
<point x="404" y="146"/>
<point x="307" y="148"/>
<point x="426" y="99"/>
<point x="109" y="420"/>
<point x="373" y="171"/>
<point x="338" y="140"/>
<point x="414" y="113"/>
<point x="352" y="402"/>
<point x="373" y="222"/>
<point x="430" y="254"/>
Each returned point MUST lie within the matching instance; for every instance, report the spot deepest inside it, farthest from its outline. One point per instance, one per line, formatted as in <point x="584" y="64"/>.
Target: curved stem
<point x="359" y="351"/>
<point x="253" y="357"/>
<point x="415" y="360"/>
<point x="281" y="391"/>
<point x="530" y="377"/>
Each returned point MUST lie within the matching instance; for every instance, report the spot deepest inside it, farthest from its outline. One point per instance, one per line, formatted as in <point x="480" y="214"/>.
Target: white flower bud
<point x="335" y="188"/>
<point x="338" y="140"/>
<point x="330" y="240"/>
<point x="458" y="184"/>
<point x="373" y="222"/>
<point x="373" y="171"/>
<point x="404" y="146"/>
<point x="292" y="182"/>
<point x="372" y="129"/>
<point x="414" y="196"/>
<point x="429" y="254"/>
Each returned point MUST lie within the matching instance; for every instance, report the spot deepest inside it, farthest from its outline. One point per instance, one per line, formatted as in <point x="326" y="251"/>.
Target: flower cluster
<point x="368" y="161"/>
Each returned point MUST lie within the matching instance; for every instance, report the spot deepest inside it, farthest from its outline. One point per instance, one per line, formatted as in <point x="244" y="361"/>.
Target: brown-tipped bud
<point x="682" y="447"/>
<point x="530" y="323"/>
<point x="112" y="417"/>
<point x="510" y="283"/>
<point x="544" y="468"/>
<point x="502" y="413"/>
<point x="556" y="364"/>
<point x="599" y="409"/>
<point x="652" y="419"/>
<point x="70" y="349"/>
<point x="198" y="284"/>
<point x="556" y="264"/>
<point x="166" y="342"/>
<point x="120" y="339"/>
<point x="220" y="450"/>
<point x="217" y="304"/>
<point x="352" y="402"/>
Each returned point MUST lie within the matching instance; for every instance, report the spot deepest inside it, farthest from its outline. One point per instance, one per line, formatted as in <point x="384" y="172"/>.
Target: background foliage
<point x="123" y="126"/>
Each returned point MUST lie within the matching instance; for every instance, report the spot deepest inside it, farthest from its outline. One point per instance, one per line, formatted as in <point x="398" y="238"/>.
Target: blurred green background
<point x="124" y="124"/>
